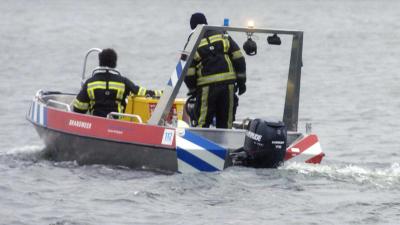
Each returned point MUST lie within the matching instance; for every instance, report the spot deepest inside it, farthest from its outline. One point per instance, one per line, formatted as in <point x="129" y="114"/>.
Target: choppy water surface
<point x="350" y="92"/>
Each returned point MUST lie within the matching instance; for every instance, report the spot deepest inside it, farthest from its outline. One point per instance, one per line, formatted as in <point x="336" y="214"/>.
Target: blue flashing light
<point x="226" y="22"/>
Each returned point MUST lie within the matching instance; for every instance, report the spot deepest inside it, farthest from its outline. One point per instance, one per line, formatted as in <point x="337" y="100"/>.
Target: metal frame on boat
<point x="88" y="139"/>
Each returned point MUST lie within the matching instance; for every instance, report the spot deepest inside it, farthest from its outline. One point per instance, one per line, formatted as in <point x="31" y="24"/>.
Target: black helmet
<point x="250" y="47"/>
<point x="265" y="143"/>
<point x="108" y="57"/>
<point x="196" y="19"/>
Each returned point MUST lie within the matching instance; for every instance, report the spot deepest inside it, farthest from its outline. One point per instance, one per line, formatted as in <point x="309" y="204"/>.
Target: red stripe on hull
<point x="300" y="146"/>
<point x="316" y="159"/>
<point x="99" y="127"/>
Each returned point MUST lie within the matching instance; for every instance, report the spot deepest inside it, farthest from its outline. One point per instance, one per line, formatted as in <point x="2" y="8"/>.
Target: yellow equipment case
<point x="144" y="107"/>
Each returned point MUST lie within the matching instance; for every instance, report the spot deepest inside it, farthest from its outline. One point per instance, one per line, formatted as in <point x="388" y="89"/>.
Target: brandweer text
<point x="80" y="124"/>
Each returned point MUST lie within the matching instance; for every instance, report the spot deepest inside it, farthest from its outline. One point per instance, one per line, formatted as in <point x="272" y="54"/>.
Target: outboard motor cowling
<point x="265" y="144"/>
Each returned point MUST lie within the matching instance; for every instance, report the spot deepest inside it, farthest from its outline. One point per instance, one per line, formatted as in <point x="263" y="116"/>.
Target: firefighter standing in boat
<point x="217" y="71"/>
<point x="106" y="90"/>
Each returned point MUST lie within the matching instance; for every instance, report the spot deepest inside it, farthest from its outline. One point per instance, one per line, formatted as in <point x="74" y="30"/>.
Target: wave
<point x="380" y="176"/>
<point x="32" y="153"/>
<point x="383" y="176"/>
<point x="24" y="149"/>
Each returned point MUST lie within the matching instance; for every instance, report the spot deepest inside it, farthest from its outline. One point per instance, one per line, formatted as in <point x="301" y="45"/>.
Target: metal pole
<point x="291" y="111"/>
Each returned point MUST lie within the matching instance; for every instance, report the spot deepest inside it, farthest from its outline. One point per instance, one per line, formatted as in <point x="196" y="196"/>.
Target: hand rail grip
<point x="111" y="114"/>
<point x="60" y="103"/>
<point x="84" y="63"/>
<point x="39" y="93"/>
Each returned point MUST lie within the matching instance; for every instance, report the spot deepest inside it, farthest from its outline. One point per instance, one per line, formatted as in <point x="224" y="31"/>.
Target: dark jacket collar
<point x="104" y="69"/>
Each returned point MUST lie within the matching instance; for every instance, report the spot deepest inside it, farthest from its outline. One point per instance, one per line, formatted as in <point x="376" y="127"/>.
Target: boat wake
<point x="32" y="153"/>
<point x="380" y="176"/>
<point x="24" y="149"/>
<point x="21" y="157"/>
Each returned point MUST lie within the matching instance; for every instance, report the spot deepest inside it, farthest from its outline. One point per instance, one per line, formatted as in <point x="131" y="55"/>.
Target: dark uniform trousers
<point x="218" y="100"/>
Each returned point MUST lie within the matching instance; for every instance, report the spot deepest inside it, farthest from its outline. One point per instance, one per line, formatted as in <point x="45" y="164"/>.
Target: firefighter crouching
<point x="217" y="71"/>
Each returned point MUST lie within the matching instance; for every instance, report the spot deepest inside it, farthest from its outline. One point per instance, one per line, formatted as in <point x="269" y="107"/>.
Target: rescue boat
<point x="149" y="134"/>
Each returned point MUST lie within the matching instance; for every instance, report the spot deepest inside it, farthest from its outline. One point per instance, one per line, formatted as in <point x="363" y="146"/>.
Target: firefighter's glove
<point x="242" y="88"/>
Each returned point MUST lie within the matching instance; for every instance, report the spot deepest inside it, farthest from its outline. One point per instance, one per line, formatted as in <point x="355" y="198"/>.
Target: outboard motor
<point x="264" y="145"/>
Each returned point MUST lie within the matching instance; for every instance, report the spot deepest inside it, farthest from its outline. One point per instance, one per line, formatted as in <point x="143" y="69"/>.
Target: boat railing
<point x="85" y="61"/>
<point x="134" y="116"/>
<point x="39" y="94"/>
<point x="67" y="106"/>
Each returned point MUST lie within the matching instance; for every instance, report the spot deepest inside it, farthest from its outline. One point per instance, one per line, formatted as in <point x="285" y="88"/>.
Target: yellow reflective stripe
<point x="92" y="87"/>
<point x="120" y="107"/>
<point x="119" y="87"/>
<point x="97" y="84"/>
<point x="203" y="42"/>
<point x="191" y="71"/>
<point x="214" y="38"/>
<point x="197" y="56"/>
<point x="120" y="93"/>
<point x="237" y="54"/>
<point x="226" y="45"/>
<point x="142" y="91"/>
<point x="81" y="105"/>
<point x="158" y="92"/>
<point x="204" y="106"/>
<point x="199" y="68"/>
<point x="216" y="78"/>
<point x="90" y="93"/>
<point x="230" y="115"/>
<point x="91" y="103"/>
<point x="116" y="85"/>
<point x="229" y="62"/>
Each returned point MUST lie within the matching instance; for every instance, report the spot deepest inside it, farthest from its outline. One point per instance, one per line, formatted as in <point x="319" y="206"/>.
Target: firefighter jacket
<point x="218" y="59"/>
<point x="106" y="91"/>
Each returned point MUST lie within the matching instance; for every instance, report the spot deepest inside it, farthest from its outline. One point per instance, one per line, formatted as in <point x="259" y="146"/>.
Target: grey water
<point x="350" y="93"/>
